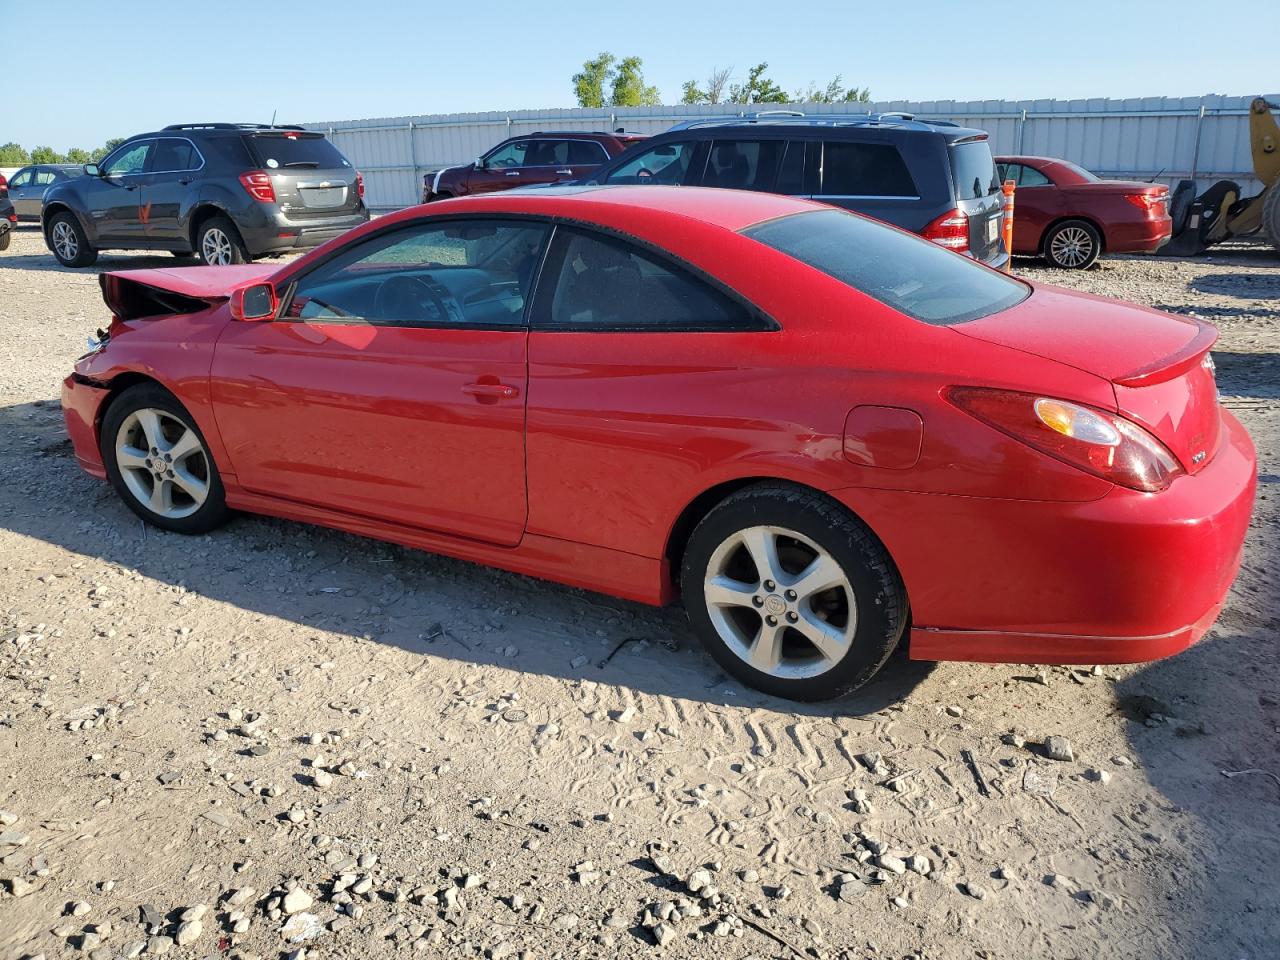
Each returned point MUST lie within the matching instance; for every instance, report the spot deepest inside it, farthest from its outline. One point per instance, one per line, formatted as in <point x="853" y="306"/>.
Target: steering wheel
<point x="644" y="173"/>
<point x="403" y="298"/>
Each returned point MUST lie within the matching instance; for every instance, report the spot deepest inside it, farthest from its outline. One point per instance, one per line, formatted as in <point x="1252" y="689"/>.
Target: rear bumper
<point x="273" y="232"/>
<point x="1138" y="236"/>
<point x="1125" y="578"/>
<point x="81" y="409"/>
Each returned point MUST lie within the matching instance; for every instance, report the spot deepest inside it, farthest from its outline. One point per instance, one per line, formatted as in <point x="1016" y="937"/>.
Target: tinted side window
<point x="743" y="164"/>
<point x="585" y="152"/>
<point x="791" y="171"/>
<point x="173" y="154"/>
<point x="865" y="170"/>
<point x="594" y="281"/>
<point x="434" y="274"/>
<point x="906" y="272"/>
<point x="22" y="179"/>
<point x="128" y="159"/>
<point x="512" y="155"/>
<point x="547" y="153"/>
<point x="1031" y="177"/>
<point x="44" y="177"/>
<point x="667" y="163"/>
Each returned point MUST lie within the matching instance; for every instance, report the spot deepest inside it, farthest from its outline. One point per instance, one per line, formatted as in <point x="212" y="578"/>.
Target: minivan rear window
<point x="973" y="170"/>
<point x="903" y="271"/>
<point x="308" y="151"/>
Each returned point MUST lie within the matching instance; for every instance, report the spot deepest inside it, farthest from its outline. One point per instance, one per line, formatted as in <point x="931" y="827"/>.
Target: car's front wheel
<point x="1073" y="245"/>
<point x="792" y="594"/>
<point x="218" y="243"/>
<point x="69" y="243"/>
<point x="5" y="238"/>
<point x="159" y="463"/>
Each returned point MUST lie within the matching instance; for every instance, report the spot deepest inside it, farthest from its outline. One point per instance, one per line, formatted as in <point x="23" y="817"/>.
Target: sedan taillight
<point x="1149" y="203"/>
<point x="951" y="230"/>
<point x="1103" y="444"/>
<point x="258" y="184"/>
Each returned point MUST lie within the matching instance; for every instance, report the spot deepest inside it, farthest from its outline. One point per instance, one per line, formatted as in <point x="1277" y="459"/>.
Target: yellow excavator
<point x="1220" y="213"/>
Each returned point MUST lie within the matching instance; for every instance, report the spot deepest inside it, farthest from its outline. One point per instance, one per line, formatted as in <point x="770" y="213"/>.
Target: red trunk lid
<point x="1158" y="363"/>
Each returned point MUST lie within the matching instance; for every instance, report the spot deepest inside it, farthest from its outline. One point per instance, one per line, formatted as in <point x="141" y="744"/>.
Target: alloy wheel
<point x="163" y="463"/>
<point x="65" y="242"/>
<point x="780" y="602"/>
<point x="1071" y="246"/>
<point x="216" y="247"/>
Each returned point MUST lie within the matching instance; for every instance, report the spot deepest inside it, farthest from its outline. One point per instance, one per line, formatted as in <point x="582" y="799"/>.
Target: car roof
<point x="576" y="133"/>
<point x="619" y="204"/>
<point x="783" y="122"/>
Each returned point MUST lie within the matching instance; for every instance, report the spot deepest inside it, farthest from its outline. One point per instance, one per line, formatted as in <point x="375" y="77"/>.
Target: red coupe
<point x="1069" y="216"/>
<point x="822" y="432"/>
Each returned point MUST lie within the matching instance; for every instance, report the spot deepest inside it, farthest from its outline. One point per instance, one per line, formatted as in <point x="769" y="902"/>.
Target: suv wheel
<point x="68" y="241"/>
<point x="218" y="243"/>
<point x="1073" y="245"/>
<point x="791" y="593"/>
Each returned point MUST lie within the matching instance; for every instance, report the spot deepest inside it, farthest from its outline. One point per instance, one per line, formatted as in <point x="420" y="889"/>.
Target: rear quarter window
<point x="297" y="150"/>
<point x="905" y="272"/>
<point x="865" y="170"/>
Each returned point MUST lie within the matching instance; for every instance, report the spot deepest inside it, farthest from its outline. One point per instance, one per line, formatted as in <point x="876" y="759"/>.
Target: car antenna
<point x="273" y="116"/>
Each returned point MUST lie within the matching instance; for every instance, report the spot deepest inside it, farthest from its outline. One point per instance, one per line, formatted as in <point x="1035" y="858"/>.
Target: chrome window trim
<point x="859" y="196"/>
<point x="133" y="143"/>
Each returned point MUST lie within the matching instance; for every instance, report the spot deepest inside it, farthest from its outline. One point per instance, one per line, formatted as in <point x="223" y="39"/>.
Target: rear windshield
<point x="909" y="274"/>
<point x="973" y="170"/>
<point x="307" y="151"/>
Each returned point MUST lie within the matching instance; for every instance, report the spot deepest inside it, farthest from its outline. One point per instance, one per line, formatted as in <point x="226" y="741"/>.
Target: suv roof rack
<point x="233" y="126"/>
<point x="798" y="117"/>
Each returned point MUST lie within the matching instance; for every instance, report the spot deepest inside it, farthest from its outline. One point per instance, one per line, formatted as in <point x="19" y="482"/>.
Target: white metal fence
<point x="1165" y="138"/>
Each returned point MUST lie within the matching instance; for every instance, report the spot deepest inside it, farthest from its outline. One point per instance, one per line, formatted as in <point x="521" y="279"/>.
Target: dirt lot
<point x="278" y="732"/>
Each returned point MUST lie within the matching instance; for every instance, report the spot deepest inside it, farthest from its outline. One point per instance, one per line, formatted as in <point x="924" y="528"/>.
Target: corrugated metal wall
<point x="1145" y="138"/>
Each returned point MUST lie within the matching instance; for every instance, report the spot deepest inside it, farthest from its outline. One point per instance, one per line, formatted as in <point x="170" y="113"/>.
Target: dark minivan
<point x="227" y="192"/>
<point x="928" y="176"/>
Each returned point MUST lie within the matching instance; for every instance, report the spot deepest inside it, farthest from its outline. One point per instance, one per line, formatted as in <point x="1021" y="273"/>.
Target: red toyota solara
<point x="1070" y="216"/>
<point x="820" y="431"/>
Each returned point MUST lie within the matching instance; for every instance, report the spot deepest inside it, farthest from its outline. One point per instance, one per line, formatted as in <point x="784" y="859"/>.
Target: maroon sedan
<point x="530" y="159"/>
<point x="1069" y="216"/>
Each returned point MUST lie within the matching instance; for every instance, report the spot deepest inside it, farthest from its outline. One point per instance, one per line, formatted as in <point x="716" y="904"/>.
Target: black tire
<point x="5" y="238"/>
<point x="879" y="598"/>
<point x="220" y="234"/>
<point x="1180" y="201"/>
<point x="68" y="242"/>
<point x="1271" y="215"/>
<point x="150" y="396"/>
<point x="1072" y="245"/>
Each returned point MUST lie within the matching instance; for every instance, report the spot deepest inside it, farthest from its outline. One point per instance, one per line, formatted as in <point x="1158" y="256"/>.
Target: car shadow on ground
<point x="424" y="603"/>
<point x="1252" y="375"/>
<point x="1241" y="286"/>
<point x="45" y="262"/>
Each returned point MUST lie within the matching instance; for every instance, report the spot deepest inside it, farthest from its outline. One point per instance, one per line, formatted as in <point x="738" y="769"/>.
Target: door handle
<point x="490" y="391"/>
<point x="513" y="173"/>
<point x="566" y="172"/>
<point x="187" y="180"/>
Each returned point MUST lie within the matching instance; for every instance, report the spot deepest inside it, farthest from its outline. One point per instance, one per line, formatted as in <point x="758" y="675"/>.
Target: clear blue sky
<point x="80" y="71"/>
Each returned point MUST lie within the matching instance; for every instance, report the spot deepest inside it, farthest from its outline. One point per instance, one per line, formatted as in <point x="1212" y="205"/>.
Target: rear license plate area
<point x="323" y="196"/>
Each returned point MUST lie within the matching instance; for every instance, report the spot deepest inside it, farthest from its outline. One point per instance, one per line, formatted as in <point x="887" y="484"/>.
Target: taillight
<point x="1103" y="444"/>
<point x="360" y="184"/>
<point x="259" y="186"/>
<point x="951" y="230"/>
<point x="13" y="218"/>
<point x="1149" y="202"/>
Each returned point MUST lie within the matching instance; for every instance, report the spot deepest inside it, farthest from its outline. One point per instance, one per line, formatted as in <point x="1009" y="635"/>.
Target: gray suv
<point x="226" y="192"/>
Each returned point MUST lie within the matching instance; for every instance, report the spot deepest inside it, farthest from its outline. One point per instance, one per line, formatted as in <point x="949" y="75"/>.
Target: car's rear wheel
<point x="1073" y="245"/>
<point x="159" y="463"/>
<point x="5" y="238"/>
<point x="69" y="243"/>
<point x="792" y="594"/>
<point x="218" y="243"/>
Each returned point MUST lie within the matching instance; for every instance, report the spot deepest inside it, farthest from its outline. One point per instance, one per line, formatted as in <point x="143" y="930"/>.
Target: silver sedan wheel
<point x="1071" y="246"/>
<point x="65" y="242"/>
<point x="163" y="463"/>
<point x="215" y="247"/>
<point x="780" y="602"/>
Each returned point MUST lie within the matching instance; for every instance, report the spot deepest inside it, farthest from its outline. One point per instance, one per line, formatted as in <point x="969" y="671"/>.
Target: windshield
<point x="304" y="150"/>
<point x="973" y="170"/>
<point x="903" y="271"/>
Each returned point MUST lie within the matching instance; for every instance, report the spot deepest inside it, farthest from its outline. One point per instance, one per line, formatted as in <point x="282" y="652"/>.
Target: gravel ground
<point x="280" y="740"/>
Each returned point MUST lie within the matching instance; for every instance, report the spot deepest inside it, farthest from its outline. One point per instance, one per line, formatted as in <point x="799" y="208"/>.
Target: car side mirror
<point x="254" y="302"/>
<point x="480" y="163"/>
<point x="91" y="170"/>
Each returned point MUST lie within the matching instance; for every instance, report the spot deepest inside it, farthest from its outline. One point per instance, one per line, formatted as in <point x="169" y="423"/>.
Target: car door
<point x="166" y="185"/>
<point x="113" y="197"/>
<point x="502" y="169"/>
<point x="1036" y="204"/>
<point x="668" y="163"/>
<point x="627" y="367"/>
<point x="583" y="157"/>
<point x="24" y="195"/>
<point x="392" y="384"/>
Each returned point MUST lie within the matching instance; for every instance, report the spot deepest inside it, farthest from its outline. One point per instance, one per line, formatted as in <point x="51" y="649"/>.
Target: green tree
<point x="589" y="84"/>
<point x="13" y="155"/>
<point x="834" y="92"/>
<point x="758" y="88"/>
<point x="629" y="89"/>
<point x="106" y="148"/>
<point x="79" y="155"/>
<point x="714" y="90"/>
<point x="45" y="155"/>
